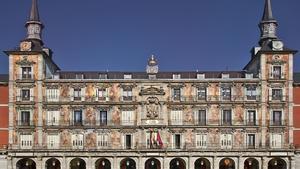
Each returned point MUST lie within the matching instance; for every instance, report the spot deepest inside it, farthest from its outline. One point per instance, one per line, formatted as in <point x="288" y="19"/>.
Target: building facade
<point x="3" y="119"/>
<point x="151" y="119"/>
<point x="297" y="117"/>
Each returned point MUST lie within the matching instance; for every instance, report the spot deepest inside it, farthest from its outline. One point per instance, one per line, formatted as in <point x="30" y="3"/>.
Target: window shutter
<point x="282" y="72"/>
<point x="83" y="94"/>
<point x="270" y="93"/>
<point x="96" y="94"/>
<point x="107" y="94"/>
<point x="271" y="72"/>
<point x="72" y="94"/>
<point x="122" y="94"/>
<point x="284" y="96"/>
<point x="18" y="98"/>
<point x="181" y="95"/>
<point x="31" y="95"/>
<point x="232" y="92"/>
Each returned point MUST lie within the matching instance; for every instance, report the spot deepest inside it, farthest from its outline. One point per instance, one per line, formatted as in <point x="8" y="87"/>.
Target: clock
<point x="277" y="45"/>
<point x="25" y="46"/>
<point x="152" y="69"/>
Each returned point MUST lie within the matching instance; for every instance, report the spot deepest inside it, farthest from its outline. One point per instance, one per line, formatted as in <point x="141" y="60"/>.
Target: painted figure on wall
<point x="64" y="92"/>
<point x="90" y="92"/>
<point x="189" y="115"/>
<point x="114" y="92"/>
<point x="90" y="115"/>
<point x="189" y="138"/>
<point x="66" y="114"/>
<point x="238" y="138"/>
<point x="115" y="139"/>
<point x="91" y="140"/>
<point x="116" y="115"/>
<point x="65" y="138"/>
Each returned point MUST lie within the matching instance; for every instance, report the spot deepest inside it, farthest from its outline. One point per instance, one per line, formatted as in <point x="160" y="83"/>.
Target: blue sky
<point x="121" y="34"/>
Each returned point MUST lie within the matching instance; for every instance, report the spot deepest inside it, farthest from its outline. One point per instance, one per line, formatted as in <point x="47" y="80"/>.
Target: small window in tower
<point x="79" y="76"/>
<point x="127" y="76"/>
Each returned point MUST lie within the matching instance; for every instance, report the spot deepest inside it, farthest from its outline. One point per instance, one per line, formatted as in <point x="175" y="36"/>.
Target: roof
<point x="4" y="78"/>
<point x="268" y="14"/>
<point x="297" y="77"/>
<point x="34" y="13"/>
<point x="144" y="75"/>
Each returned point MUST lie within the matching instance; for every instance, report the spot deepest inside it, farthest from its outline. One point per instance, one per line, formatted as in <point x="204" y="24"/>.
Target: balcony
<point x="25" y="124"/>
<point x="278" y="98"/>
<point x="25" y="78"/>
<point x="214" y="98"/>
<point x="23" y="99"/>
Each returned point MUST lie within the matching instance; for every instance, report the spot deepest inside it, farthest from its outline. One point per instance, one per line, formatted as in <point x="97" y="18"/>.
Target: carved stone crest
<point x="152" y="91"/>
<point x="152" y="107"/>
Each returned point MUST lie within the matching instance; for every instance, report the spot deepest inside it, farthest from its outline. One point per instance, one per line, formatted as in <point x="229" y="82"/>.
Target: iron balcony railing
<point x="25" y="77"/>
<point x="54" y="99"/>
<point x="88" y="123"/>
<point x="214" y="98"/>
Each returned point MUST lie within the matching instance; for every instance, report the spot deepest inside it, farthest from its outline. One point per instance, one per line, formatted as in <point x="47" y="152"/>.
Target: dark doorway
<point x="26" y="164"/>
<point x="103" y="164"/>
<point x="152" y="163"/>
<point x="202" y="163"/>
<point x="52" y="163"/>
<point x="251" y="163"/>
<point x="277" y="163"/>
<point x="127" y="163"/>
<point x="226" y="163"/>
<point x="77" y="163"/>
<point x="177" y="163"/>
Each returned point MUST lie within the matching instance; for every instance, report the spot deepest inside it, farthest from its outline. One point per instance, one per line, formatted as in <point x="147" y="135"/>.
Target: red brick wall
<point x="3" y="115"/>
<point x="297" y="116"/>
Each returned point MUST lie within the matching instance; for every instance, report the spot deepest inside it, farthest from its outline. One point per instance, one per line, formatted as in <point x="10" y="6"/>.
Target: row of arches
<point x="153" y="163"/>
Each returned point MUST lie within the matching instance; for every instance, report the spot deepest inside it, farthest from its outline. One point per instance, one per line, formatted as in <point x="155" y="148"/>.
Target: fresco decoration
<point x="238" y="138"/>
<point x="15" y="137"/>
<point x="90" y="116"/>
<point x="239" y="91"/>
<point x="90" y="92"/>
<point x="116" y="115"/>
<point x="91" y="140"/>
<point x="35" y="138"/>
<point x="189" y="115"/>
<point x="188" y="92"/>
<point x="214" y="114"/>
<point x="114" y="93"/>
<point x="239" y="114"/>
<point x="152" y="108"/>
<point x="115" y="139"/>
<point x="189" y="138"/>
<point x="64" y="92"/>
<point x="152" y="91"/>
<point x="65" y="138"/>
<point x="65" y="112"/>
<point x="214" y="136"/>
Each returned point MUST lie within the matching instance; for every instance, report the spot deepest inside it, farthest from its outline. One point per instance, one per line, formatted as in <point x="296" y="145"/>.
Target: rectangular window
<point x="128" y="141"/>
<point x="251" y="117"/>
<point x="102" y="76"/>
<point x="177" y="141"/>
<point x="79" y="76"/>
<point x="127" y="94"/>
<point x="251" y="93"/>
<point x="77" y="94"/>
<point x="276" y="140"/>
<point x="176" y="117"/>
<point x="277" y="94"/>
<point x="127" y="118"/>
<point x="102" y="94"/>
<point x="26" y="73"/>
<point x="277" y="118"/>
<point x="52" y="95"/>
<point x="201" y="117"/>
<point x="25" y="94"/>
<point x="201" y="140"/>
<point x="176" y="94"/>
<point x="78" y="117"/>
<point x="127" y="76"/>
<point x="176" y="76"/>
<point x="53" y="118"/>
<point x="251" y="141"/>
<point x="103" y="118"/>
<point x="77" y="141"/>
<point x="277" y="72"/>
<point x="25" y="118"/>
<point x="102" y="140"/>
<point x="226" y="141"/>
<point x="201" y="93"/>
<point x="26" y="141"/>
<point x="226" y="117"/>
<point x="226" y="93"/>
<point x="53" y="141"/>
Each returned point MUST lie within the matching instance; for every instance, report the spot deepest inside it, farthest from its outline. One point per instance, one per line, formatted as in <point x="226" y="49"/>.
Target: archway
<point x="127" y="163"/>
<point x="277" y="163"/>
<point x="251" y="163"/>
<point x="77" y="163"/>
<point x="52" y="163"/>
<point x="152" y="163"/>
<point x="103" y="163"/>
<point x="202" y="163"/>
<point x="177" y="163"/>
<point x="26" y="163"/>
<point x="226" y="163"/>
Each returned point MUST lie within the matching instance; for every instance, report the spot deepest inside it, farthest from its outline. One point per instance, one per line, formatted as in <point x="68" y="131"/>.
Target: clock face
<point x="277" y="45"/>
<point x="25" y="46"/>
<point x="152" y="69"/>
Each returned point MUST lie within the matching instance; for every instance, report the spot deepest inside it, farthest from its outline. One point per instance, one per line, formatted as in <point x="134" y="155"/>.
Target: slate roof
<point x="4" y="78"/>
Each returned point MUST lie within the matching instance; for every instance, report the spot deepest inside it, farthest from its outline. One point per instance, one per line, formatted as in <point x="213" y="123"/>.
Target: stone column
<point x="293" y="163"/>
<point x="215" y="162"/>
<point x="264" y="163"/>
<point x="115" y="162"/>
<point x="140" y="163"/>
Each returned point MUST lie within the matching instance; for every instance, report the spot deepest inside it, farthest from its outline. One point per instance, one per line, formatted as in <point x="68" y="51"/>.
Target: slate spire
<point x="34" y="25"/>
<point x="268" y="24"/>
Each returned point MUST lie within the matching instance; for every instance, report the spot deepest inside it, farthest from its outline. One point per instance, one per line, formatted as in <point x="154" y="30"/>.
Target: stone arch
<point x="152" y="163"/>
<point x="77" y="163"/>
<point x="251" y="163"/>
<point x="26" y="163"/>
<point x="177" y="163"/>
<point x="227" y="163"/>
<point x="277" y="163"/>
<point x="202" y="163"/>
<point x="127" y="163"/>
<point x="52" y="163"/>
<point x="102" y="163"/>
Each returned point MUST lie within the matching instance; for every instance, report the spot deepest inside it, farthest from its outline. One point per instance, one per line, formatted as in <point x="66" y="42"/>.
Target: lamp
<point x="152" y="162"/>
<point x="27" y="163"/>
<point x="127" y="163"/>
<point x="201" y="163"/>
<point x="177" y="163"/>
<point x="275" y="162"/>
<point x="78" y="163"/>
<point x="250" y="162"/>
<point x="103" y="163"/>
<point x="53" y="163"/>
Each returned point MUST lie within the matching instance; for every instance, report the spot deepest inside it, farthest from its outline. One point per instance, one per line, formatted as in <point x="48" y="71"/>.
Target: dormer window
<point x="201" y="76"/>
<point x="176" y="76"/>
<point x="26" y="73"/>
<point x="225" y="76"/>
<point x="127" y="76"/>
<point x="79" y="76"/>
<point x="249" y="76"/>
<point x="102" y="76"/>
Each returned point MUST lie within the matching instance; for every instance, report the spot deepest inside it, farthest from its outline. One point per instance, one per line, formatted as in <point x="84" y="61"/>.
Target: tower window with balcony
<point x="251" y="117"/>
<point x="277" y="72"/>
<point x="226" y="141"/>
<point x="277" y="94"/>
<point x="251" y="141"/>
<point x="176" y="94"/>
<point x="201" y="93"/>
<point x="251" y="93"/>
<point x="25" y="94"/>
<point x="26" y="73"/>
<point x="103" y="118"/>
<point x="26" y="141"/>
<point x="201" y="140"/>
<point x="176" y="117"/>
<point x="128" y="141"/>
<point x="102" y="140"/>
<point x="25" y="118"/>
<point x="201" y="117"/>
<point x="226" y="93"/>
<point x="78" y="119"/>
<point x="127" y="94"/>
<point x="226" y="117"/>
<point x="276" y="118"/>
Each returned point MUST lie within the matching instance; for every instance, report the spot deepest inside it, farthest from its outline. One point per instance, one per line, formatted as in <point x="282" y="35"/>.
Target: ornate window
<point x="102" y="140"/>
<point x="52" y="95"/>
<point x="26" y="141"/>
<point x="127" y="118"/>
<point x="201" y="140"/>
<point x="176" y="117"/>
<point x="53" y="141"/>
<point x="251" y="117"/>
<point x="226" y="117"/>
<point x="226" y="93"/>
<point x="276" y="140"/>
<point x="26" y="72"/>
<point x="53" y="118"/>
<point x="251" y="141"/>
<point x="251" y="92"/>
<point x="77" y="141"/>
<point x="226" y="141"/>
